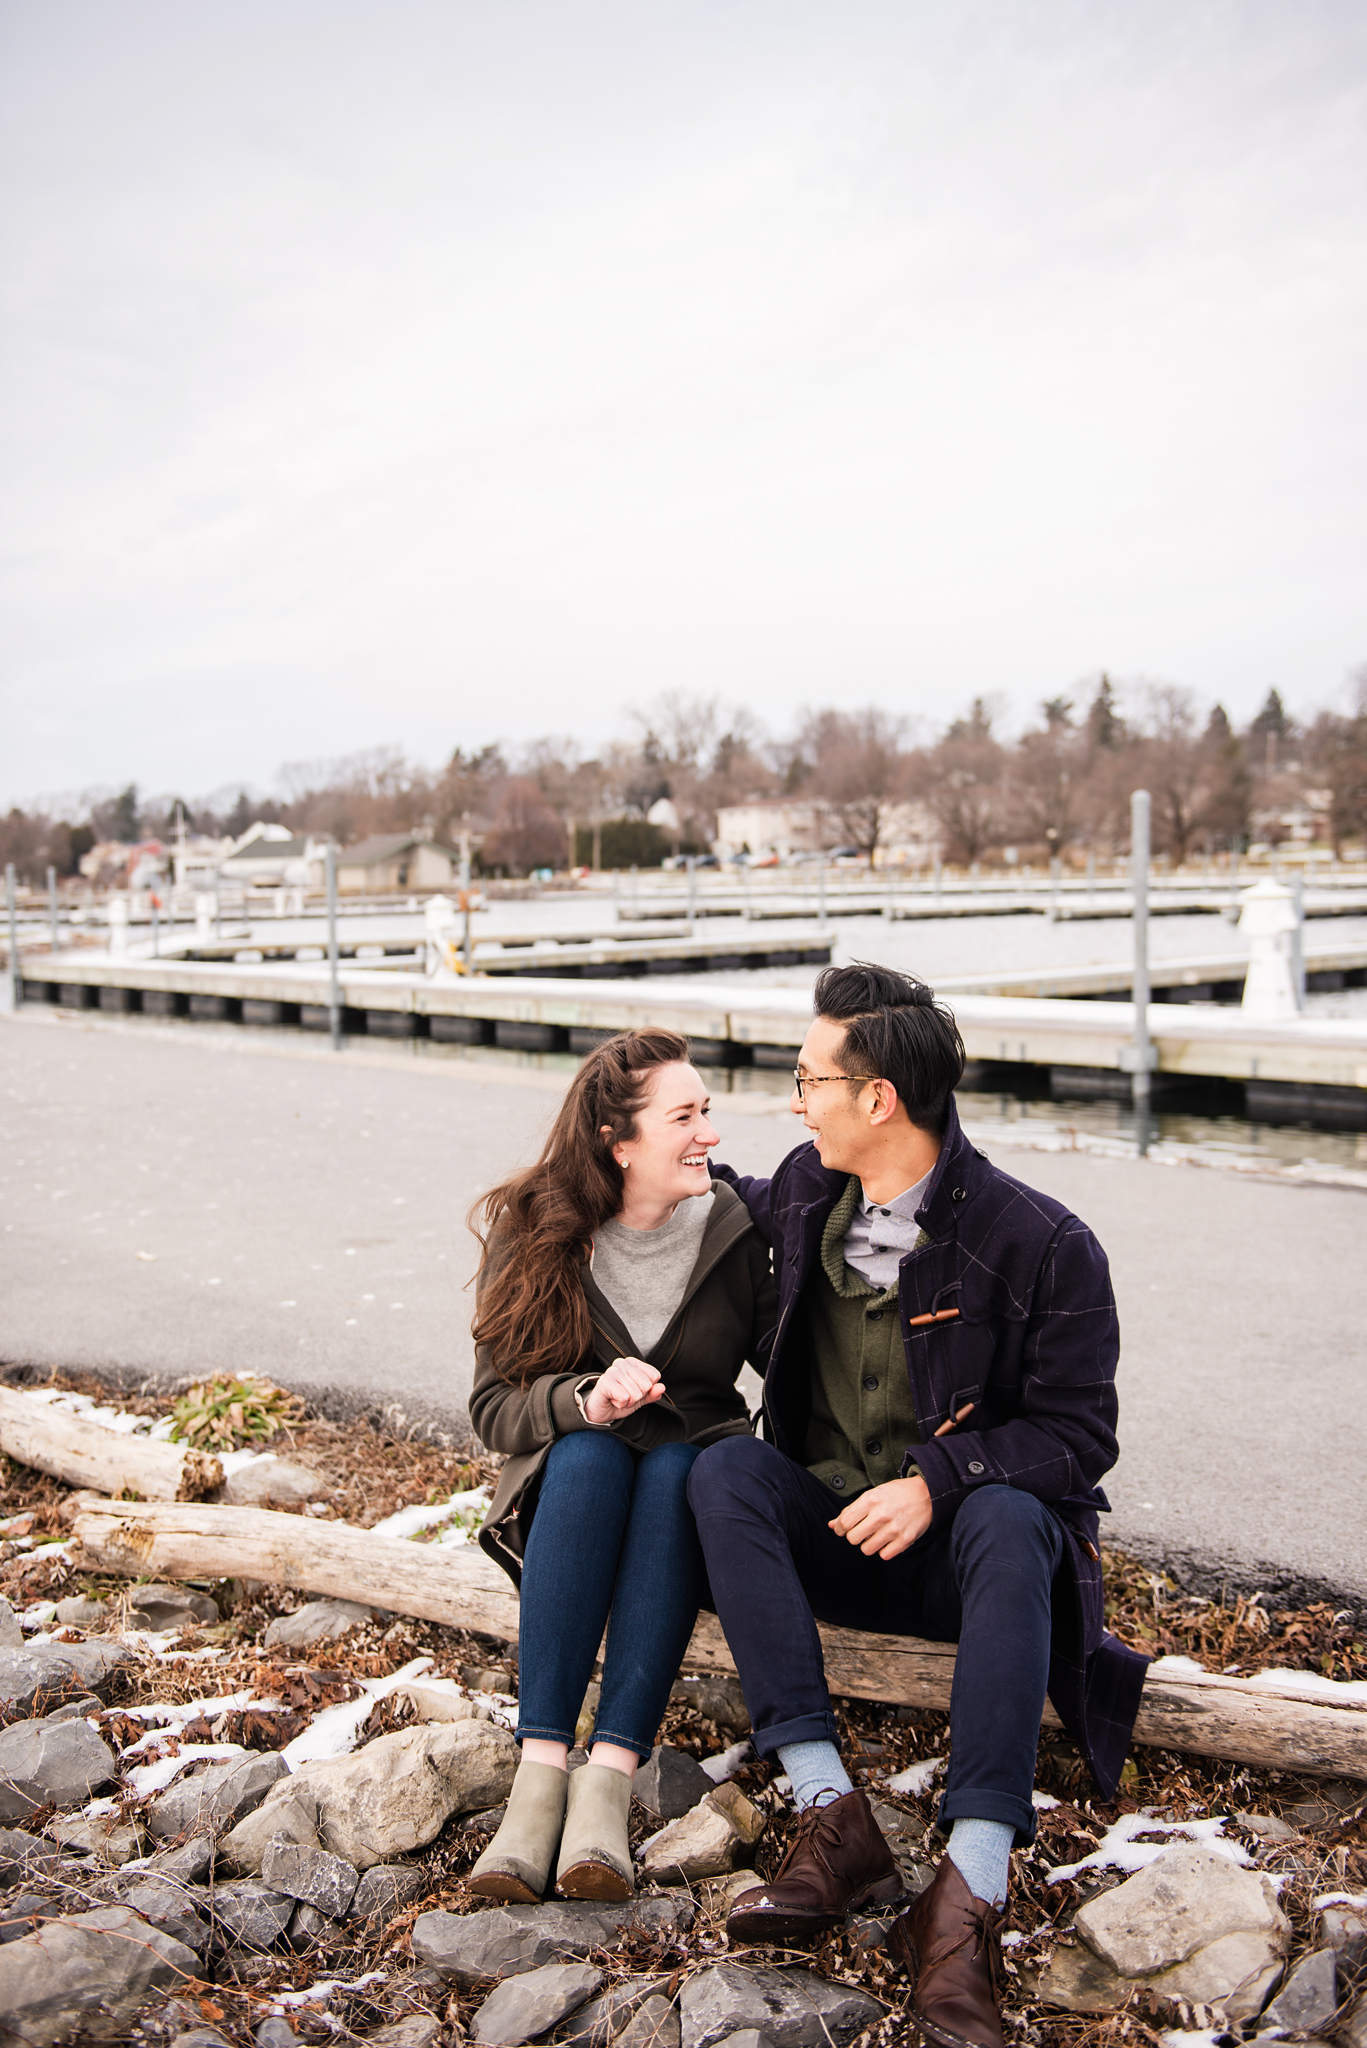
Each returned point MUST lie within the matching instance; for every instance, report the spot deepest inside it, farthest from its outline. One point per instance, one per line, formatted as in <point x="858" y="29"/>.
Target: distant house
<point x="395" y="861"/>
<point x="271" y="856"/>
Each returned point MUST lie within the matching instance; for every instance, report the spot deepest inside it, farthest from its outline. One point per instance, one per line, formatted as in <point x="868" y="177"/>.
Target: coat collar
<point x="955" y="1179"/>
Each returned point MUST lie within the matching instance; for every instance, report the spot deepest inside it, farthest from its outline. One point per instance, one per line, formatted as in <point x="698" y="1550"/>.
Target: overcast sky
<point x="434" y="372"/>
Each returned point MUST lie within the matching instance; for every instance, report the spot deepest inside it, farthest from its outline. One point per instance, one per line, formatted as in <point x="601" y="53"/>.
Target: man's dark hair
<point x="895" y="1031"/>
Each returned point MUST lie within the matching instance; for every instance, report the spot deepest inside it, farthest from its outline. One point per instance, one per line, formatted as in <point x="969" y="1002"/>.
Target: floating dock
<point x="1307" y="1067"/>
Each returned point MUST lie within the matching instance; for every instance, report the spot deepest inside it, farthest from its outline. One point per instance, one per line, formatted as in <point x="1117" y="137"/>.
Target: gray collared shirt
<point x="882" y="1233"/>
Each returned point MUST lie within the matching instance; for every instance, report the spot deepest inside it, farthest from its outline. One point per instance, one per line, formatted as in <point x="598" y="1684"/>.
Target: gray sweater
<point x="644" y="1273"/>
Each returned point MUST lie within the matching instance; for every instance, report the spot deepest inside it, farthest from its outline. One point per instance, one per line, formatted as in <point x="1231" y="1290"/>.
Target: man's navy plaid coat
<point x="1008" y="1306"/>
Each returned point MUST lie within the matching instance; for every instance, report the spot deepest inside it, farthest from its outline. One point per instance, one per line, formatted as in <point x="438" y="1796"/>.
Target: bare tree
<point x="859" y="768"/>
<point x="962" y="784"/>
<point x="1046" y="781"/>
<point x="526" y="832"/>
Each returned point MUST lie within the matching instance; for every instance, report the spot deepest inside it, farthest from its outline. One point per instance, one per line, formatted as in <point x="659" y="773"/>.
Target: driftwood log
<point x="1283" y="1724"/>
<point x="56" y="1441"/>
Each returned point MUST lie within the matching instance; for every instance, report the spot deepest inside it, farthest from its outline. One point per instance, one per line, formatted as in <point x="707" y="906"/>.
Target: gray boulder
<point x="383" y="1892"/>
<point x="1308" y="2000"/>
<point x="289" y="1814"/>
<point x="419" y="2030"/>
<point x="190" y="1863"/>
<point x="272" y="1482"/>
<point x="111" y="1839"/>
<point x="78" y="1612"/>
<point x="318" y="1621"/>
<point x="466" y="1947"/>
<point x="671" y="1783"/>
<point x="200" y="2037"/>
<point x="308" y="1925"/>
<point x="275" y="2033"/>
<point x="250" y="1914"/>
<point x="654" y="2024"/>
<point x="522" y="2007"/>
<point x="1353" y="2033"/>
<point x="794" y="2008"/>
<point x="217" y="1797"/>
<point x="53" y="1763"/>
<point x="387" y="1799"/>
<point x="11" y="1633"/>
<point x="175" y="1908"/>
<point x="88" y="1974"/>
<point x="313" y="1876"/>
<point x="158" y="1607"/>
<point x="1345" y="1931"/>
<point x="24" y="1856"/>
<point x="84" y="1707"/>
<point x="601" y="2021"/>
<point x="40" y="1676"/>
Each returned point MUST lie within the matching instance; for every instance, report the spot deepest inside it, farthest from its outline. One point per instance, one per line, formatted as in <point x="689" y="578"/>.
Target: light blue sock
<point x="816" y="1772"/>
<point x="980" y="1851"/>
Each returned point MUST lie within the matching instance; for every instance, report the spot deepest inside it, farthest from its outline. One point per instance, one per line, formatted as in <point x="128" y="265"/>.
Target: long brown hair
<point x="532" y="1313"/>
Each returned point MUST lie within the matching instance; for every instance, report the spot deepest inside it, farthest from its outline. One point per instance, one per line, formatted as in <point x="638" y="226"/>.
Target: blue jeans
<point x="983" y="1581"/>
<point x="612" y="1535"/>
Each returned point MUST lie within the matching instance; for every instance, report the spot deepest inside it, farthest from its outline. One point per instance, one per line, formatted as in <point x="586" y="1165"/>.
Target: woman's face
<point x="667" y="1159"/>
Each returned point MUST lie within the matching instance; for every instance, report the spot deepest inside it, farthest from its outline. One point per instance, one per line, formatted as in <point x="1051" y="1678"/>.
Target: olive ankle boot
<point x="516" y="1866"/>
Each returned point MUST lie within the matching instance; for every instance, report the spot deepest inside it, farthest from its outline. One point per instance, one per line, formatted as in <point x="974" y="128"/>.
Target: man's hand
<point x="627" y="1385"/>
<point x="887" y="1519"/>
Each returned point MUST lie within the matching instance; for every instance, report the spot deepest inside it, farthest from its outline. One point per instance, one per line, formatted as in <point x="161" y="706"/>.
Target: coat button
<point x="957" y="1194"/>
<point x="975" y="1466"/>
<point x="873" y="1446"/>
<point x="875" y="1315"/>
<point x="837" y="1482"/>
<point x="870" y="1383"/>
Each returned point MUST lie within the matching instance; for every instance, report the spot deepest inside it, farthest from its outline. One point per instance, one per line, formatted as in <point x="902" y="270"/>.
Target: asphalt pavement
<point x="180" y="1200"/>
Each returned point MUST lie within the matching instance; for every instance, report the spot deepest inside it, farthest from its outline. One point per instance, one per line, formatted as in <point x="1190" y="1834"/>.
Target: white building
<point x="785" y="826"/>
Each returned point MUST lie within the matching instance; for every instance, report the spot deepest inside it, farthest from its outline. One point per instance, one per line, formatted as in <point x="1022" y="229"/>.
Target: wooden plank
<point x="1277" y="1724"/>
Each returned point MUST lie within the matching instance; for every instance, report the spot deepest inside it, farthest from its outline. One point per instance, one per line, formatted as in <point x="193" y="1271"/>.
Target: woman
<point x="618" y="1296"/>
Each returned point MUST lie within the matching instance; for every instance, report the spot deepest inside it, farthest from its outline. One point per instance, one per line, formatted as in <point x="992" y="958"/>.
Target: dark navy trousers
<point x="983" y="1581"/>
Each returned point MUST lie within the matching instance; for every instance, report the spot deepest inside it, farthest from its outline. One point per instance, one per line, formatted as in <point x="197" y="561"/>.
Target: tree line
<point x="1059" y="788"/>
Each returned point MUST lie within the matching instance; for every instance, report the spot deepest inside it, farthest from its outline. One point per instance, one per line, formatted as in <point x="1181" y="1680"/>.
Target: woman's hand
<point x="627" y="1385"/>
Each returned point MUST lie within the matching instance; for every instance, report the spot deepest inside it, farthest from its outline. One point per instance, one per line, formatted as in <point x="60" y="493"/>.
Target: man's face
<point x="836" y="1115"/>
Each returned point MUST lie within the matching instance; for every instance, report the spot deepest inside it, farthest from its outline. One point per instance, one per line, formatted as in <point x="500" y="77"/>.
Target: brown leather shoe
<point x="950" y="1945"/>
<point x="837" y="1860"/>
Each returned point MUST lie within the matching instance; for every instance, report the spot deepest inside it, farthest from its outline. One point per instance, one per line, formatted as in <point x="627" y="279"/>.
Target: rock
<point x="83" y="1708"/>
<point x="793" y="2008"/>
<point x="397" y="1793"/>
<point x="175" y="1908"/>
<point x="251" y="1914"/>
<point x="1190" y="1897"/>
<point x="50" y="1763"/>
<point x="383" y="1892"/>
<point x="275" y="2033"/>
<point x="719" y="1894"/>
<point x="603" y="2019"/>
<point x="431" y="1703"/>
<point x="1233" y="1975"/>
<point x="318" y="1621"/>
<point x="530" y="2004"/>
<point x="419" y="2030"/>
<point x="24" y="1855"/>
<point x="311" y="1875"/>
<point x="904" y="1833"/>
<point x="271" y="1482"/>
<point x="22" y="1909"/>
<point x="157" y="1607"/>
<point x="1308" y="2000"/>
<point x="1075" y="1980"/>
<point x="1353" y="2033"/>
<point x="308" y="1925"/>
<point x="188" y="1864"/>
<point x="1268" y="1827"/>
<point x="200" y="2037"/>
<point x="655" y="2024"/>
<point x="115" y="1840"/>
<point x="218" y="1796"/>
<point x="11" y="1632"/>
<point x="506" y="1939"/>
<point x="89" y="1973"/>
<point x="78" y="1612"/>
<point x="670" y="1784"/>
<point x="706" y="1841"/>
<point x="717" y="1697"/>
<point x="39" y="1676"/>
<point x="289" y="1814"/>
<point x="749" y="2037"/>
<point x="1345" y="1931"/>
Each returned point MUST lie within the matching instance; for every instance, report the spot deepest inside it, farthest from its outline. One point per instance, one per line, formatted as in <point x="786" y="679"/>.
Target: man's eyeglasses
<point x="803" y="1081"/>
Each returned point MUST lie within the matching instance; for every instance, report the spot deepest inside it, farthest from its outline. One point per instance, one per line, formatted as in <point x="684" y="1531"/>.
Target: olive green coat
<point x="726" y="1318"/>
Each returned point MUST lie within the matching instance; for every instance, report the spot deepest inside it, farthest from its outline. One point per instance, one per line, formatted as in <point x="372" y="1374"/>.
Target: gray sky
<point x="433" y="372"/>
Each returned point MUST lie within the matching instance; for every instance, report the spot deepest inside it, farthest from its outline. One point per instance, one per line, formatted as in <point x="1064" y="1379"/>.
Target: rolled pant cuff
<point x="998" y="1806"/>
<point x="806" y="1728"/>
<point x="644" y="1751"/>
<point x="526" y="1732"/>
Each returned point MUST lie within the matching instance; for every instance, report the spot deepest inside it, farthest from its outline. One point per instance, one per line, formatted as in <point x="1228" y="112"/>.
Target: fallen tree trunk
<point x="1282" y="1724"/>
<point x="56" y="1441"/>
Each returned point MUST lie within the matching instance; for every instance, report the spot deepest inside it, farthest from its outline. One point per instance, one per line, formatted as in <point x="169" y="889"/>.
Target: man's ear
<point x="885" y="1103"/>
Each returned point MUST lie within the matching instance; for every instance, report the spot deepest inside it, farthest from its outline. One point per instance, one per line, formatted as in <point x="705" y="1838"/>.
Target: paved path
<point x="301" y="1214"/>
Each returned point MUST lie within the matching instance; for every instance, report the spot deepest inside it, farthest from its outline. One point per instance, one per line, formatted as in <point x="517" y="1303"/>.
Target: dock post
<point x="692" y="893"/>
<point x="1139" y="883"/>
<point x="1298" y="938"/>
<point x="467" y="941"/>
<point x="745" y="892"/>
<point x="334" y="985"/>
<point x="821" y="891"/>
<point x="16" y="979"/>
<point x="156" y="928"/>
<point x="53" y="912"/>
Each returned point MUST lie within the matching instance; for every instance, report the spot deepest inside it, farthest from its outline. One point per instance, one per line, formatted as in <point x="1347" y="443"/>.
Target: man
<point x="938" y="1408"/>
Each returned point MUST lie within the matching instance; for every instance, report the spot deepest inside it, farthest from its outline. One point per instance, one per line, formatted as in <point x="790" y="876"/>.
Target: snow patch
<point x="1044" y="1802"/>
<point x="145" y="1779"/>
<point x="916" y="1779"/>
<point x="1355" y="1901"/>
<point x="316" y="1994"/>
<point x="1179" y="1667"/>
<point x="465" y="1510"/>
<point x="1119" y="1849"/>
<point x="720" y="1768"/>
<point x="334" y="1731"/>
<point x="1339" y="1692"/>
